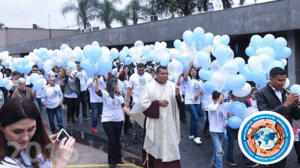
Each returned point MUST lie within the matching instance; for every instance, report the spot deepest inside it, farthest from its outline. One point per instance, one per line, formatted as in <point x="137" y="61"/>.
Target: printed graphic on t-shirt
<point x="116" y="103"/>
<point x="142" y="81"/>
<point x="196" y="87"/>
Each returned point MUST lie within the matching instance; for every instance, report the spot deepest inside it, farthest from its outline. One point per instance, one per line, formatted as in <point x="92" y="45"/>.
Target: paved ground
<point x="193" y="156"/>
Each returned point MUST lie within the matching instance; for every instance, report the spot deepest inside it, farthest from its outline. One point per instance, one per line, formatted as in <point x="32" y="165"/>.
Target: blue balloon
<point x="204" y="60"/>
<point x="259" y="77"/>
<point x="37" y="85"/>
<point x="208" y="87"/>
<point x="92" y="52"/>
<point x="284" y="53"/>
<point x="177" y="44"/>
<point x="250" y="51"/>
<point x="237" y="82"/>
<point x="295" y="88"/>
<point x="205" y="74"/>
<point x="269" y="40"/>
<point x="123" y="56"/>
<point x="104" y="66"/>
<point x="256" y="42"/>
<point x="234" y="122"/>
<point x="208" y="39"/>
<point x="280" y="43"/>
<point x="42" y="53"/>
<point x="188" y="37"/>
<point x="238" y="109"/>
<point x="114" y="53"/>
<point x="222" y="53"/>
<point x="146" y="51"/>
<point x="3" y="82"/>
<point x="198" y="33"/>
<point x="225" y="39"/>
<point x="128" y="61"/>
<point x="164" y="61"/>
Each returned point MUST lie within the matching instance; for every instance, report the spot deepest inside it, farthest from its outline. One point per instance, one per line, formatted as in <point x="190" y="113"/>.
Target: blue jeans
<point x="39" y="103"/>
<point x="194" y="109"/>
<point x="232" y="136"/>
<point x="203" y="117"/>
<point x="51" y="112"/>
<point x="96" y="111"/>
<point x="217" y="140"/>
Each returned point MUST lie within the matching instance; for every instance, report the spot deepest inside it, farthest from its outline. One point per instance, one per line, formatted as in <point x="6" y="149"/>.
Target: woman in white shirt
<point x="192" y="101"/>
<point x="112" y="118"/>
<point x="95" y="100"/>
<point x="217" y="116"/>
<point x="24" y="141"/>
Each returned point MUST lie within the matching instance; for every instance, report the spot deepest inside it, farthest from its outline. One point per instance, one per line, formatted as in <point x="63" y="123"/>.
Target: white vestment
<point x="163" y="134"/>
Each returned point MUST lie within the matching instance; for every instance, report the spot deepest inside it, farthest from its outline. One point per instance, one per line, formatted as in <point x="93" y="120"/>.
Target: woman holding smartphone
<point x="24" y="141"/>
<point x="112" y="118"/>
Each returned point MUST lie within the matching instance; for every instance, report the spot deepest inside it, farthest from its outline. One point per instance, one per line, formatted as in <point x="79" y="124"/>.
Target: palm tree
<point x="227" y="4"/>
<point x="106" y="12"/>
<point x="136" y="10"/>
<point x="1" y="25"/>
<point x="83" y="10"/>
<point x="122" y="17"/>
<point x="202" y="5"/>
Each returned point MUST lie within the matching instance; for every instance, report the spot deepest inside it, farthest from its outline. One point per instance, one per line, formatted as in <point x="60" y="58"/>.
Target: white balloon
<point x="249" y="111"/>
<point x="230" y="67"/>
<point x="9" y="85"/>
<point x="175" y="68"/>
<point x="255" y="63"/>
<point x="218" y="81"/>
<point x="246" y="90"/>
<point x="287" y="83"/>
<point x="284" y="62"/>
<point x="215" y="66"/>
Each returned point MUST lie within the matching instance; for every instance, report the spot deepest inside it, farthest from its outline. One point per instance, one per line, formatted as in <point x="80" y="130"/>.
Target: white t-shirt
<point x="137" y="83"/>
<point x="112" y="110"/>
<point x="12" y="163"/>
<point x="192" y="87"/>
<point x="82" y="76"/>
<point x="94" y="98"/>
<point x="205" y="100"/>
<point x="217" y="117"/>
<point x="52" y="95"/>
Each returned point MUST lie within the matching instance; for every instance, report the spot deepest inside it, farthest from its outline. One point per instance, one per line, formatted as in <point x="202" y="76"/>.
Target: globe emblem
<point x="266" y="138"/>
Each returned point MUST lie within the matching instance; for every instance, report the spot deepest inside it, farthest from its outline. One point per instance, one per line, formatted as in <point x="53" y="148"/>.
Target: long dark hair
<point x="110" y="87"/>
<point x="197" y="76"/>
<point x="18" y="109"/>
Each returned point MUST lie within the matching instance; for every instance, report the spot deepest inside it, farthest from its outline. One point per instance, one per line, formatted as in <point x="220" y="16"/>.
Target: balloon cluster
<point x="264" y="54"/>
<point x="239" y="113"/>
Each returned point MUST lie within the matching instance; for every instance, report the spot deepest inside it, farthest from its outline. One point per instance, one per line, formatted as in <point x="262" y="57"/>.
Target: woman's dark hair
<point x="110" y="87"/>
<point x="7" y="71"/>
<point x="18" y="109"/>
<point x="15" y="73"/>
<point x="122" y="75"/>
<point x="216" y="95"/>
<point x="197" y="76"/>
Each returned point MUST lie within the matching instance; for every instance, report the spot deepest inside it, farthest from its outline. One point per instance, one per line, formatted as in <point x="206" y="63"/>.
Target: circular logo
<point x="266" y="137"/>
<point x="116" y="102"/>
<point x="142" y="81"/>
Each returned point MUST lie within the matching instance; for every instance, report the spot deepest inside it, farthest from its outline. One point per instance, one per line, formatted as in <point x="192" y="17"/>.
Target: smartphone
<point x="62" y="134"/>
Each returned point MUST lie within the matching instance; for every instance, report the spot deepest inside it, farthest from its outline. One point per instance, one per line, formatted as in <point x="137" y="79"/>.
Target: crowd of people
<point x="142" y="94"/>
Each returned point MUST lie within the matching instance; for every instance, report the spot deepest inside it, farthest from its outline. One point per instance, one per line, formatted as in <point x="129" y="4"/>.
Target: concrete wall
<point x="13" y="36"/>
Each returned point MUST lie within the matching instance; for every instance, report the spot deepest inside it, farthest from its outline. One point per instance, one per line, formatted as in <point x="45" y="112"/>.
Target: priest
<point x="158" y="113"/>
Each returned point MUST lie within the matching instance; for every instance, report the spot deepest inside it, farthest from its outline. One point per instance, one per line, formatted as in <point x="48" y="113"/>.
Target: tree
<point x="83" y="10"/>
<point x="135" y="10"/>
<point x="106" y="12"/>
<point x="1" y="25"/>
<point x="182" y="7"/>
<point x="122" y="17"/>
<point x="227" y="4"/>
<point x="202" y="5"/>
